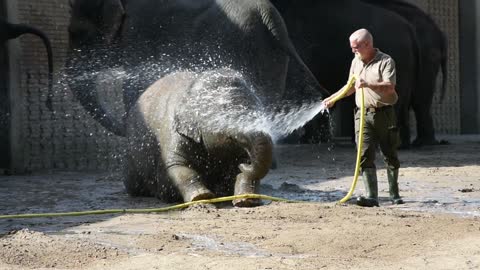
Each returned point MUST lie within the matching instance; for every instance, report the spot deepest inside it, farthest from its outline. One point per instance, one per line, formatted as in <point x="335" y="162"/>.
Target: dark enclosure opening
<point x="468" y="68"/>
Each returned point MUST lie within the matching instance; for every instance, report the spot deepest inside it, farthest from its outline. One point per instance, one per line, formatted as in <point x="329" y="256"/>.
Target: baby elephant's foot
<point x="250" y="202"/>
<point x="197" y="191"/>
<point x="244" y="185"/>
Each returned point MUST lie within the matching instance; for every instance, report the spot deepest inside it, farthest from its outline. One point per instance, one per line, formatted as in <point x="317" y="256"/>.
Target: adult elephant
<point x="433" y="52"/>
<point x="320" y="31"/>
<point x="11" y="31"/>
<point x="197" y="135"/>
<point x="151" y="38"/>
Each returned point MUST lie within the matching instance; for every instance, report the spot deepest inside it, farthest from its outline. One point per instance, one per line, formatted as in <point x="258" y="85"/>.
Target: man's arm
<point x="328" y="102"/>
<point x="383" y="88"/>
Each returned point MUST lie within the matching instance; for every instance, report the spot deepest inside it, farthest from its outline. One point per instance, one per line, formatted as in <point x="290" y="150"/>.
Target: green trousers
<point x="380" y="129"/>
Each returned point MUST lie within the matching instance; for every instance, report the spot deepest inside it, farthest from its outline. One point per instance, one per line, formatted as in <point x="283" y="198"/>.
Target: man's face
<point x="359" y="48"/>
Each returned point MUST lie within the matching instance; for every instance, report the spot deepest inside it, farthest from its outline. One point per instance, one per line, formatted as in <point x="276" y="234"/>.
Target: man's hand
<point x="328" y="103"/>
<point x="360" y="83"/>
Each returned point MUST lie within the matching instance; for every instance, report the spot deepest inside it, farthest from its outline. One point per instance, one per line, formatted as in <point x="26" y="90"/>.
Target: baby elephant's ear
<point x="186" y="127"/>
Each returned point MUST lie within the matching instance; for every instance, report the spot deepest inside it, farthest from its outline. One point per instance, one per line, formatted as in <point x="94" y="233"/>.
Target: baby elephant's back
<point x="157" y="104"/>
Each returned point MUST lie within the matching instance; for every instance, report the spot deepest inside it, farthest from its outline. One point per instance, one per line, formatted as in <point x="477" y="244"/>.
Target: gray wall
<point x="446" y="113"/>
<point x="40" y="139"/>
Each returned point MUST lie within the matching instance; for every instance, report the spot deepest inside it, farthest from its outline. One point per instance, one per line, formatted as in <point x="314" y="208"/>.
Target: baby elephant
<point x="194" y="136"/>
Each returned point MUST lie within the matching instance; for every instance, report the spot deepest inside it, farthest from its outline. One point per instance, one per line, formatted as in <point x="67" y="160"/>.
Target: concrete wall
<point x="446" y="114"/>
<point x="68" y="138"/>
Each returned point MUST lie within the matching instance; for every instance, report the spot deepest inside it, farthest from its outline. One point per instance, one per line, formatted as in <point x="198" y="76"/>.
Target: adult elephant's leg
<point x="404" y="87"/>
<point x="260" y="150"/>
<point x="317" y="130"/>
<point x="403" y="122"/>
<point x="139" y="173"/>
<point x="141" y="159"/>
<point x="422" y="105"/>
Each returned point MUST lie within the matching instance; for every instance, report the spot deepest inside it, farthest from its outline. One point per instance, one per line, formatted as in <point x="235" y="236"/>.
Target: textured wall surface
<point x="70" y="139"/>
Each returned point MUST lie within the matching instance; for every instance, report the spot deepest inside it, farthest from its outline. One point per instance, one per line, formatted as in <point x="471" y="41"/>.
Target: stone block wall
<point x="67" y="138"/>
<point x="446" y="114"/>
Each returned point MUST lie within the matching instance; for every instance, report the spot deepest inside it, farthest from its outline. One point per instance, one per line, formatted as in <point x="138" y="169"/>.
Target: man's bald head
<point x="361" y="35"/>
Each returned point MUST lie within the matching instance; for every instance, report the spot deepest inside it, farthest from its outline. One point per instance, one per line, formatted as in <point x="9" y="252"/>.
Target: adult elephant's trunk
<point x="82" y="68"/>
<point x="312" y="89"/>
<point x="16" y="30"/>
<point x="259" y="147"/>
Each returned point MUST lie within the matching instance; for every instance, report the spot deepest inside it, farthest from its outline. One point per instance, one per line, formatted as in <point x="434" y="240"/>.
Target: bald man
<point x="375" y="74"/>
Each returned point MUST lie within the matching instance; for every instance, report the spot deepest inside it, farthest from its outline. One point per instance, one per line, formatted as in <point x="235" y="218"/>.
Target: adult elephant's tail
<point x="16" y="30"/>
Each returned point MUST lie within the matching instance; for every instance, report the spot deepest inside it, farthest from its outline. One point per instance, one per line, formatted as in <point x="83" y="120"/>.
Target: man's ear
<point x="187" y="128"/>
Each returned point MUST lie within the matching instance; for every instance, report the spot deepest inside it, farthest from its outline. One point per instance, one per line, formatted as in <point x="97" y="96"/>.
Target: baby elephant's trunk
<point x="260" y="150"/>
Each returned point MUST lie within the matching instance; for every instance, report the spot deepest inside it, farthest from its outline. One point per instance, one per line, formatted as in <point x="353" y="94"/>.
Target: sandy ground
<point x="437" y="228"/>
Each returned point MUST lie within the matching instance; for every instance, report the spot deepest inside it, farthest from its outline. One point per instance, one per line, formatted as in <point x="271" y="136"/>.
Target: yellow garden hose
<point x="147" y="210"/>
<point x="345" y="89"/>
<point x="360" y="135"/>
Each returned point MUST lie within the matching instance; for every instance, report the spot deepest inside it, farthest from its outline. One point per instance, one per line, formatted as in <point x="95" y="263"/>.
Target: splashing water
<point x="283" y="124"/>
<point x="276" y="124"/>
<point x="224" y="100"/>
<point x="236" y="105"/>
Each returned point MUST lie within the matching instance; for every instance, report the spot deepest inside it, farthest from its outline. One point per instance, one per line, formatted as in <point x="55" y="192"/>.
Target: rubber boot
<point x="392" y="175"/>
<point x="369" y="177"/>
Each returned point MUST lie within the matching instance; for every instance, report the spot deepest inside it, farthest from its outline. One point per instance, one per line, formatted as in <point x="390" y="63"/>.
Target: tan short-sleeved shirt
<point x="380" y="69"/>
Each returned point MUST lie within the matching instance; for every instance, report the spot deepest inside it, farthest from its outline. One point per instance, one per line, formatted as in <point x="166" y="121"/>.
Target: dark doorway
<point x="5" y="154"/>
<point x="468" y="67"/>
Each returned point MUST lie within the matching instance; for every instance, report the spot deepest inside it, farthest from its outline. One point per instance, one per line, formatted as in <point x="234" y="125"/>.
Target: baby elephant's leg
<point x="188" y="183"/>
<point x="260" y="148"/>
<point x="245" y="184"/>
